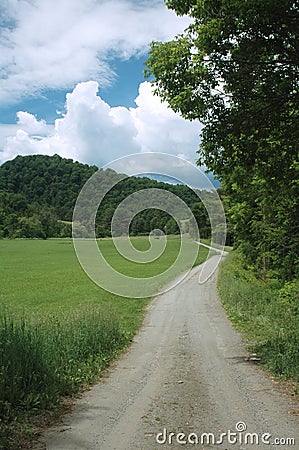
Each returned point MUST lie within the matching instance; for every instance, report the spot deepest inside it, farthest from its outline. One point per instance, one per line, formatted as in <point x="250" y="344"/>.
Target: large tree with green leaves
<point x="235" y="68"/>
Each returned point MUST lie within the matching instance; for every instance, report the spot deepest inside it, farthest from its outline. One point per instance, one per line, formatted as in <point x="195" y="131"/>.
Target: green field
<point x="58" y="329"/>
<point x="44" y="276"/>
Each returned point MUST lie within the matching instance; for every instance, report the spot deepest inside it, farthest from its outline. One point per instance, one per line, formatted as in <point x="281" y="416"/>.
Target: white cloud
<point x="31" y="124"/>
<point x="54" y="45"/>
<point x="175" y="135"/>
<point x="6" y="130"/>
<point x="93" y="132"/>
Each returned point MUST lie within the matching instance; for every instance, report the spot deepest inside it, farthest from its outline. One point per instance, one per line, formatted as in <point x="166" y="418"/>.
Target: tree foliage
<point x="49" y="181"/>
<point x="235" y="69"/>
<point x="38" y="195"/>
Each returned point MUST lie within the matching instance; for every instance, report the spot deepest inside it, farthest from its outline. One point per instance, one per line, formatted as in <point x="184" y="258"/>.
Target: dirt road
<point x="186" y="372"/>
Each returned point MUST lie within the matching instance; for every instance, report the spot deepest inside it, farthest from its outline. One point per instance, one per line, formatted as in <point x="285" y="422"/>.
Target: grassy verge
<point x="267" y="313"/>
<point x="58" y="330"/>
<point x="41" y="362"/>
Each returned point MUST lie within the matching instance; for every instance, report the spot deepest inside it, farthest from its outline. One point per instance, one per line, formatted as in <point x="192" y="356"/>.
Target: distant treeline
<point x="38" y="194"/>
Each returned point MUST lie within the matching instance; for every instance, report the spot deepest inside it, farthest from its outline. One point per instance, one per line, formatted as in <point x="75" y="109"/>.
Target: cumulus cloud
<point x="94" y="132"/>
<point x="175" y="135"/>
<point x="47" y="46"/>
<point x="31" y="124"/>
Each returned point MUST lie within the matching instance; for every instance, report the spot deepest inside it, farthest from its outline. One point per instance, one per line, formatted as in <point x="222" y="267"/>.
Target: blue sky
<point x="45" y="104"/>
<point x="71" y="81"/>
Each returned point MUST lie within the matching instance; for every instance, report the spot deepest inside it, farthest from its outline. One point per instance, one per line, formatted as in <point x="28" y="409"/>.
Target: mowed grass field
<point x="58" y="329"/>
<point x="41" y="277"/>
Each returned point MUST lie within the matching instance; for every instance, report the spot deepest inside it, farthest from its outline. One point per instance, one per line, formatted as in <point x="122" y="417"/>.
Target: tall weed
<point x="43" y="360"/>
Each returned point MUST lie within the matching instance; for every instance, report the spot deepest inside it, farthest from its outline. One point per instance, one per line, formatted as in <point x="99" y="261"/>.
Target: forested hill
<point x="49" y="181"/>
<point x="38" y="194"/>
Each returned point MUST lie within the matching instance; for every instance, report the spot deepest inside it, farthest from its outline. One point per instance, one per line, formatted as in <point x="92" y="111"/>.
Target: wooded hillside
<point x="38" y="194"/>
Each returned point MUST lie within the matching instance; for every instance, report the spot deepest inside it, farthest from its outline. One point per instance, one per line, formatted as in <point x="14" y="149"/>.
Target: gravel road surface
<point x="186" y="372"/>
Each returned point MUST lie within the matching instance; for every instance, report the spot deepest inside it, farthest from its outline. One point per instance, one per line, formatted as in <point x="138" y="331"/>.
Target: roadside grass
<point x="267" y="313"/>
<point x="41" y="362"/>
<point x="58" y="330"/>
